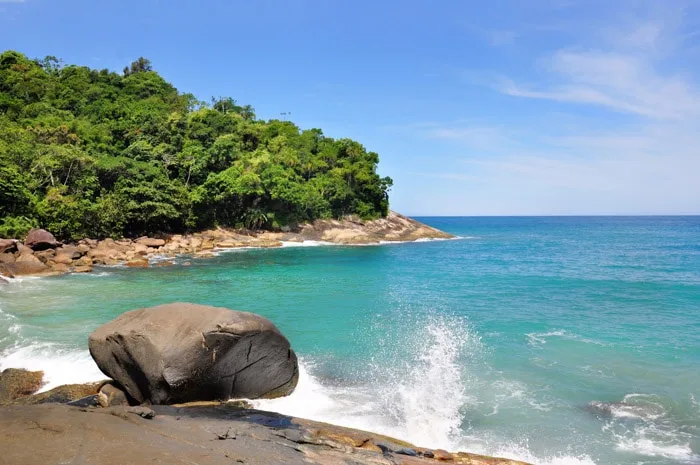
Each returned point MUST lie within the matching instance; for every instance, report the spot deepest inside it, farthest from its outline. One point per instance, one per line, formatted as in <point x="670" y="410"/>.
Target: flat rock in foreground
<point x="184" y="352"/>
<point x="207" y="435"/>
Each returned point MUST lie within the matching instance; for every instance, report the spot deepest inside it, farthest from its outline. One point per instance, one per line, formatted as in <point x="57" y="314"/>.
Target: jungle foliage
<point x="94" y="153"/>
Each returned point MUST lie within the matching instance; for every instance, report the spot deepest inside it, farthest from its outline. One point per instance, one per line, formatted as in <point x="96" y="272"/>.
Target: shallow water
<point x="554" y="340"/>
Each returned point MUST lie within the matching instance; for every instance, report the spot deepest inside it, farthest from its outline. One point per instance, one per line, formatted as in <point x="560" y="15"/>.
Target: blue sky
<point x="476" y="108"/>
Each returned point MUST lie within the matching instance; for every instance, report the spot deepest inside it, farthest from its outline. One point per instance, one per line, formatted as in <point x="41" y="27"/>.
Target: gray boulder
<point x="184" y="352"/>
<point x="41" y="239"/>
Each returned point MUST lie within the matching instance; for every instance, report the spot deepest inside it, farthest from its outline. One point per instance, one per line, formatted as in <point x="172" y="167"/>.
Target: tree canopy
<point x="94" y="153"/>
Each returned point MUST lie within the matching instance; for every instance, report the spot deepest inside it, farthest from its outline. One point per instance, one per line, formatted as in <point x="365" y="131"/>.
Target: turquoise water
<point x="555" y="340"/>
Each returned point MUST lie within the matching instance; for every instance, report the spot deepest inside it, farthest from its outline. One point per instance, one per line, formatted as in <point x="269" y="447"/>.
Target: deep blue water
<point x="556" y="340"/>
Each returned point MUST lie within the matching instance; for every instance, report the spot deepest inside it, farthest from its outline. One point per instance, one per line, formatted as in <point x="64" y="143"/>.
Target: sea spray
<point x="417" y="393"/>
<point x="61" y="365"/>
<point x="427" y="396"/>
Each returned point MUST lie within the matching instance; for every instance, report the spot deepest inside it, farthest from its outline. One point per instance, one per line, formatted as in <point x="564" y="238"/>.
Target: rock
<point x="195" y="243"/>
<point x="40" y="239"/>
<point x="82" y="269"/>
<point x="185" y="352"/>
<point x="443" y="455"/>
<point x="150" y="242"/>
<point x="61" y="394"/>
<point x="16" y="383"/>
<point x="24" y="268"/>
<point x="72" y="251"/>
<point x="7" y="258"/>
<point x="60" y="268"/>
<point x="8" y="245"/>
<point x="82" y="249"/>
<point x="140" y="249"/>
<point x="137" y="263"/>
<point x="63" y="258"/>
<point x="28" y="258"/>
<point x="230" y="244"/>
<point x="83" y="261"/>
<point x="23" y="249"/>
<point x="164" y="263"/>
<point x="111" y="396"/>
<point x="266" y="243"/>
<point x="207" y="435"/>
<point x="91" y="243"/>
<point x="143" y="412"/>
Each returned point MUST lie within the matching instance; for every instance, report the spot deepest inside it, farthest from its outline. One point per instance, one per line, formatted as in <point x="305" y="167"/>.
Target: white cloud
<point x="623" y="83"/>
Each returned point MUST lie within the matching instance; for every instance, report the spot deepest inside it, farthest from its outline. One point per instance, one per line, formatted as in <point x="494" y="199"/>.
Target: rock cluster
<point x="42" y="254"/>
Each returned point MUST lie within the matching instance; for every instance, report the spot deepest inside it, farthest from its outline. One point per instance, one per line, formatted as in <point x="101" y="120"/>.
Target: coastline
<point x="203" y="433"/>
<point x="54" y="258"/>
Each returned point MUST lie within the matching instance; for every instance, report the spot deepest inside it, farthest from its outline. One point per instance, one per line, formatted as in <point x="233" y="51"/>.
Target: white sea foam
<point x="538" y="339"/>
<point x="420" y="403"/>
<point x="60" y="365"/>
<point x="426" y="412"/>
<point x="640" y="424"/>
<point x="306" y="243"/>
<point x="522" y="452"/>
<point x="423" y="401"/>
<point x="653" y="448"/>
<point x="95" y="274"/>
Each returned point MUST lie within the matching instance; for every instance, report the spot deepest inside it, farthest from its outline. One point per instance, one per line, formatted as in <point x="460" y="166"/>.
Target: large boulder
<point x="185" y="352"/>
<point x="23" y="268"/>
<point x="41" y="239"/>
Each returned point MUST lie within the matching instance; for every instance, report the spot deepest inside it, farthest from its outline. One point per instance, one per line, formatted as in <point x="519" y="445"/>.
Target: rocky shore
<point x="201" y="356"/>
<point x="40" y="254"/>
<point x="199" y="434"/>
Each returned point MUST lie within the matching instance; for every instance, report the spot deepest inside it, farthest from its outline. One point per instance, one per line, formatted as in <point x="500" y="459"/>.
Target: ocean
<point x="556" y="340"/>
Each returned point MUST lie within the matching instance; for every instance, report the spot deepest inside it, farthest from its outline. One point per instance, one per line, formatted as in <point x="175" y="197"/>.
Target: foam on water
<point x="642" y="424"/>
<point x="60" y="365"/>
<point x="537" y="339"/>
<point x="305" y="243"/>
<point x="422" y="398"/>
<point x="419" y="402"/>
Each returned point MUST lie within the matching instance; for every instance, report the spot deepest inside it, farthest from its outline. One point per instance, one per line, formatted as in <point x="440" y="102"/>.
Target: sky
<point x="506" y="107"/>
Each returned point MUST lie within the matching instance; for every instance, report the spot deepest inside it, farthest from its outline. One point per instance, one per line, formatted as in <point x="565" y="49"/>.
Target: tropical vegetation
<point x="94" y="153"/>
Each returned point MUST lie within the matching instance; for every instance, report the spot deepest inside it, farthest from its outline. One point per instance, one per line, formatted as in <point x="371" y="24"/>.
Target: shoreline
<point x="49" y="258"/>
<point x="204" y="433"/>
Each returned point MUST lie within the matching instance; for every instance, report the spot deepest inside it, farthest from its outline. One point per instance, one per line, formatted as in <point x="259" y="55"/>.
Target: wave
<point x="643" y="425"/>
<point x="639" y="406"/>
<point x="61" y="365"/>
<point x="306" y="244"/>
<point x="421" y="401"/>
<point x="523" y="453"/>
<point x="424" y="395"/>
<point x="538" y="339"/>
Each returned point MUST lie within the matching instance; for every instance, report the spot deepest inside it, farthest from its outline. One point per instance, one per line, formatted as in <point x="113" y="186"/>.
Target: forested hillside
<point x="93" y="153"/>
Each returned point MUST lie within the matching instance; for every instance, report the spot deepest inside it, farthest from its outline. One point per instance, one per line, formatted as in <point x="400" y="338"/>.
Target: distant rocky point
<point x="41" y="254"/>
